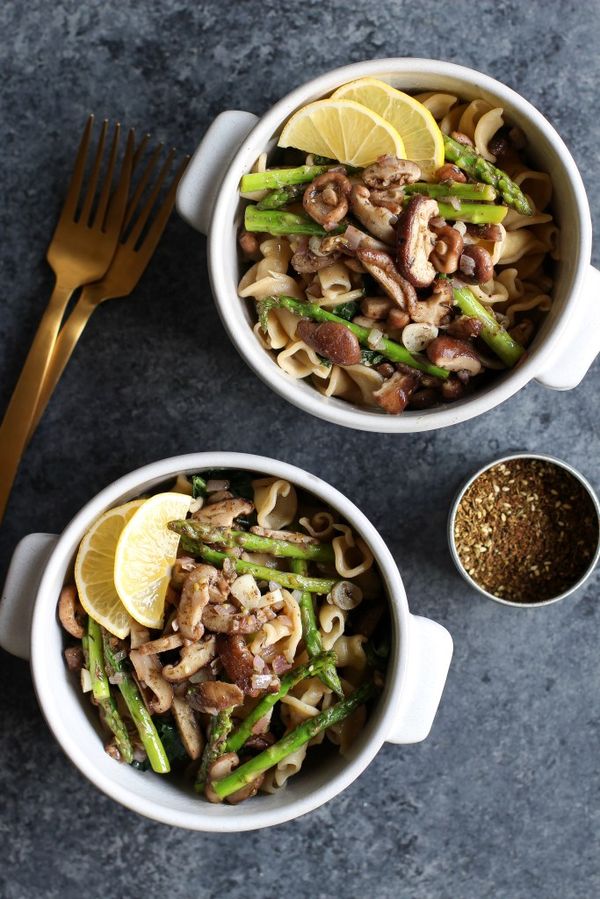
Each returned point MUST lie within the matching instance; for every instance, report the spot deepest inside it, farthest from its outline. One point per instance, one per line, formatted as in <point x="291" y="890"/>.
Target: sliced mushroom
<point x="437" y="307"/>
<point x="162" y="644"/>
<point x="450" y="172"/>
<point x="74" y="658"/>
<point x="247" y="791"/>
<point x="381" y="266"/>
<point x="395" y="392"/>
<point x="194" y="597"/>
<point x="288" y="536"/>
<point x="415" y="241"/>
<point x="219" y="769"/>
<point x="332" y="340"/>
<point x="214" y="696"/>
<point x="224" y="618"/>
<point x="138" y="634"/>
<point x="326" y="199"/>
<point x="476" y="265"/>
<point x="378" y="220"/>
<point x="490" y="232"/>
<point x="454" y="355"/>
<point x="397" y="319"/>
<point x="249" y="245"/>
<point x="447" y="248"/>
<point x="423" y="399"/>
<point x="393" y="200"/>
<point x="375" y="307"/>
<point x="314" y="254"/>
<point x="523" y="332"/>
<point x="189" y="731"/>
<point x="417" y="336"/>
<point x="389" y="170"/>
<point x="223" y="514"/>
<point x="237" y="660"/>
<point x="452" y="390"/>
<point x="70" y="611"/>
<point x="149" y="673"/>
<point x="346" y="595"/>
<point x="191" y="659"/>
<point x="465" y="327"/>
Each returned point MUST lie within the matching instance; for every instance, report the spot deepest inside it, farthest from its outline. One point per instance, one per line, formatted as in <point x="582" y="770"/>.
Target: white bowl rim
<point x="211" y="818"/>
<point x="345" y="414"/>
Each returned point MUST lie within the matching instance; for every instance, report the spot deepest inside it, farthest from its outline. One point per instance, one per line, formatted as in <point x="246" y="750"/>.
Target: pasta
<point x="485" y="251"/>
<point x="275" y="502"/>
<point x="264" y="631"/>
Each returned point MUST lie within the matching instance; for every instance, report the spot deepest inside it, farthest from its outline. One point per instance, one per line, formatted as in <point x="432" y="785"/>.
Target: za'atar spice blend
<point x="526" y="530"/>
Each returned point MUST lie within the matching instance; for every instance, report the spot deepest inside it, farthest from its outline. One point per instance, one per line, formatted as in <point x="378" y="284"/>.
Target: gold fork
<point x="80" y="252"/>
<point x="125" y="270"/>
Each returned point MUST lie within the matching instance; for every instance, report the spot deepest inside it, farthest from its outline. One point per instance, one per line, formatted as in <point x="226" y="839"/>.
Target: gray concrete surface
<point x="502" y="801"/>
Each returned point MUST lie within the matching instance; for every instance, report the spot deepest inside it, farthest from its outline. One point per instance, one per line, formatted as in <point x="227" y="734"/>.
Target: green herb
<point x="371" y="357"/>
<point x="169" y="736"/>
<point x="348" y="310"/>
<point x="198" y="486"/>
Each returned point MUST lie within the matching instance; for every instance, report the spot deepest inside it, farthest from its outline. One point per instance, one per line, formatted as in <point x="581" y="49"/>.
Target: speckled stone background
<point x="503" y="800"/>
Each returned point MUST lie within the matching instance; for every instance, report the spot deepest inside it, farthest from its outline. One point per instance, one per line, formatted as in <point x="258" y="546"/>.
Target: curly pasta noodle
<point x="320" y="525"/>
<point x="275" y="501"/>
<point x="352" y="555"/>
<point x="332" y="622"/>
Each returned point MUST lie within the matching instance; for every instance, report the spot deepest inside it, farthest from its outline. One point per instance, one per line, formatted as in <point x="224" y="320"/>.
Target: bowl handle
<point x="581" y="343"/>
<point x="202" y="178"/>
<point x="20" y="590"/>
<point x="428" y="662"/>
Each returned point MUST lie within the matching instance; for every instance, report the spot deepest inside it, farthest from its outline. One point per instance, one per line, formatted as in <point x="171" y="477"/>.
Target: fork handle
<point x="66" y="342"/>
<point x="14" y="430"/>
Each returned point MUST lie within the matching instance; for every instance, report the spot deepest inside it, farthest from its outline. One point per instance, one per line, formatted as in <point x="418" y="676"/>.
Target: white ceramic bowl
<point x="419" y="660"/>
<point x="566" y="344"/>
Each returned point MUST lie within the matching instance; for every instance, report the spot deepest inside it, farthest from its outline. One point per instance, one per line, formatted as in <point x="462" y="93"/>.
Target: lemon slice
<point x="145" y="555"/>
<point x="423" y="141"/>
<point x="94" y="570"/>
<point x="342" y="130"/>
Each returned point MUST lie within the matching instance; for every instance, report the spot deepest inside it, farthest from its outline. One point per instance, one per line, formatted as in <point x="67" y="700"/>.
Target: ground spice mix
<point x="526" y="530"/>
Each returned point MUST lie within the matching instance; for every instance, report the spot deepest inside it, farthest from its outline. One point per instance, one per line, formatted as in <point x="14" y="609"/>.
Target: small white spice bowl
<point x="452" y="519"/>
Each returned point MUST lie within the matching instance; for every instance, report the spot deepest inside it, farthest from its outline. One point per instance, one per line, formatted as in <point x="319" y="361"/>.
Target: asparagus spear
<point x="274" y="178"/>
<point x="286" y="578"/>
<point x="493" y="333"/>
<point x="388" y="348"/>
<point x="138" y="711"/>
<point x="195" y="530"/>
<point x="274" y="221"/>
<point x="312" y="636"/>
<point x="477" y="167"/>
<point x="302" y="734"/>
<point x="314" y="667"/>
<point x="220" y="727"/>
<point x="476" y="191"/>
<point x="101" y="689"/>
<point x="475" y="213"/>
<point x="281" y="197"/>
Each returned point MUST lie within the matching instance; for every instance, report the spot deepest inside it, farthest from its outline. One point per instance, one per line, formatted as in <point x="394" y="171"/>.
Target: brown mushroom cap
<point x="378" y="220"/>
<point x="214" y="696"/>
<point x="332" y="340"/>
<point x="326" y="199"/>
<point x="415" y="241"/>
<point x="237" y="660"/>
<point x="381" y="266"/>
<point x="395" y="392"/>
<point x="70" y="611"/>
<point x="390" y="170"/>
<point x="476" y="265"/>
<point x="436" y="308"/>
<point x="454" y="355"/>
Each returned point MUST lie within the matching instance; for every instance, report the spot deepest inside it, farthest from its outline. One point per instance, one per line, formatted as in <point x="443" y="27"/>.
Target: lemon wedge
<point x="343" y="130"/>
<point x="145" y="555"/>
<point x="423" y="141"/>
<point x="94" y="570"/>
